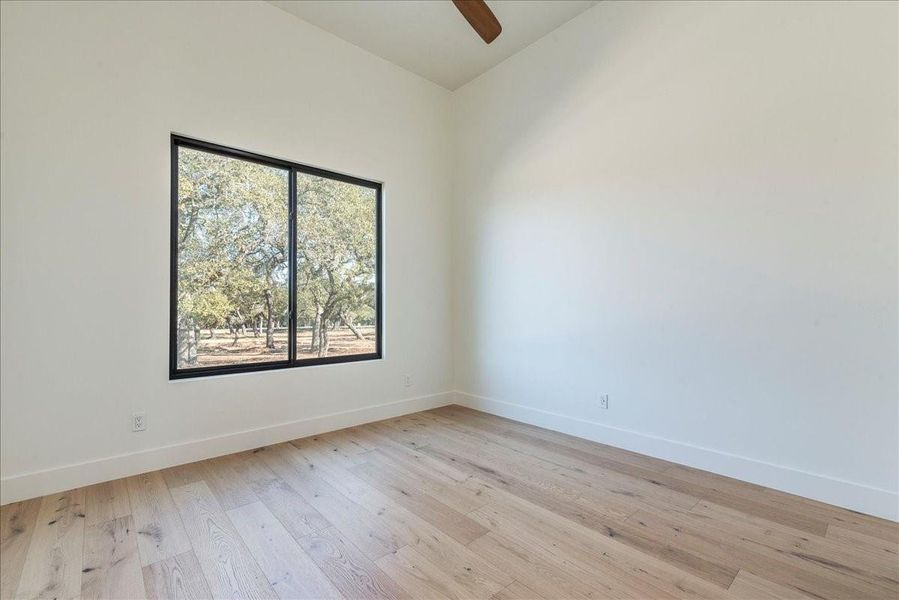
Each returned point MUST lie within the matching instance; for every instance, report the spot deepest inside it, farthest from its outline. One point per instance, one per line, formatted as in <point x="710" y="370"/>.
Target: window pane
<point x="336" y="268"/>
<point x="232" y="261"/>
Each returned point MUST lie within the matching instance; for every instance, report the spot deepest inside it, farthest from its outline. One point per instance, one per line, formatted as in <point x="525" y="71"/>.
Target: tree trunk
<point x="187" y="343"/>
<point x="316" y="327"/>
<point x="237" y="324"/>
<point x="211" y="333"/>
<point x="269" y="320"/>
<point x="349" y="323"/>
<point x="324" y="342"/>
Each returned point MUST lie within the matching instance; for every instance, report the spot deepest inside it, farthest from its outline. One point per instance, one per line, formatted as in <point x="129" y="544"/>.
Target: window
<point x="274" y="264"/>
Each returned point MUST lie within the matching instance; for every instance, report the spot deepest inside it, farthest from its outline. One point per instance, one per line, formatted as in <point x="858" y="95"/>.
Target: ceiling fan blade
<point x="480" y="17"/>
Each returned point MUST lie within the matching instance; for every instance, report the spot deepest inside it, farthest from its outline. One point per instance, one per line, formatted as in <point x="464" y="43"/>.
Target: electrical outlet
<point x="407" y="380"/>
<point x="604" y="402"/>
<point x="139" y="422"/>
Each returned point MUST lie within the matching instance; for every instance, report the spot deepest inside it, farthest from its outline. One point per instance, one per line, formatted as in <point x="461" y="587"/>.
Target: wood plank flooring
<point x="444" y="504"/>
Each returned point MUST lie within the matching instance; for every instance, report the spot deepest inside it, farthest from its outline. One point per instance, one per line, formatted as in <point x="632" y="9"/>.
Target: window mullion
<point x="292" y="269"/>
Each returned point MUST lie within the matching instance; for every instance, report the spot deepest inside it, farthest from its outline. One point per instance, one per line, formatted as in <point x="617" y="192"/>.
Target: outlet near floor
<point x="139" y="422"/>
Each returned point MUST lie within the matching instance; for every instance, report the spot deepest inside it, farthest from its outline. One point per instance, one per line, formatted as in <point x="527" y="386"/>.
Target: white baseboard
<point x="839" y="492"/>
<point x="50" y="481"/>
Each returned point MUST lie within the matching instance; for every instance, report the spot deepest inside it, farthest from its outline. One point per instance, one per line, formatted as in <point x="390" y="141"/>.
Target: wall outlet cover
<point x="139" y="422"/>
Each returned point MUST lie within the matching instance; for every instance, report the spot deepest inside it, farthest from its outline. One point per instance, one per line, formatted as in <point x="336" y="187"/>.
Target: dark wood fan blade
<point x="480" y="17"/>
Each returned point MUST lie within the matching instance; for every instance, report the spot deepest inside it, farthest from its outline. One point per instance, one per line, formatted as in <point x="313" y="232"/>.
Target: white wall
<point x="90" y="95"/>
<point x="693" y="208"/>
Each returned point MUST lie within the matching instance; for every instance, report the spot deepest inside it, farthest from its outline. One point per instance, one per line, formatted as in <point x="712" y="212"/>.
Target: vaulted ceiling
<point x="430" y="37"/>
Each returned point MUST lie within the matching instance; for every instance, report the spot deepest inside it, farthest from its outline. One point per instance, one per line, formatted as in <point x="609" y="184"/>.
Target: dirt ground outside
<point x="220" y="349"/>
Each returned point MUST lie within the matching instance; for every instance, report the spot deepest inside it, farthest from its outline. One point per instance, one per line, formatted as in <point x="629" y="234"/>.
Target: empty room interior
<point x="449" y="299"/>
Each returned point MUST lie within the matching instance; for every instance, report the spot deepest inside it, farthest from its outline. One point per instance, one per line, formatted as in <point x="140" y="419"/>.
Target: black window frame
<point x="179" y="141"/>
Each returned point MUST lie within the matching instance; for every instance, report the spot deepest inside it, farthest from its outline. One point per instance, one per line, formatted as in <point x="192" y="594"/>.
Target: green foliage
<point x="232" y="238"/>
<point x="336" y="244"/>
<point x="233" y="245"/>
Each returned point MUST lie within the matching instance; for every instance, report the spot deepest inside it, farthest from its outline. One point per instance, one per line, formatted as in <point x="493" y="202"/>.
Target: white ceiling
<point x="430" y="37"/>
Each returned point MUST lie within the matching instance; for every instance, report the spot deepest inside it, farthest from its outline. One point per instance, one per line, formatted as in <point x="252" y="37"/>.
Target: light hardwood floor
<point x="448" y="503"/>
